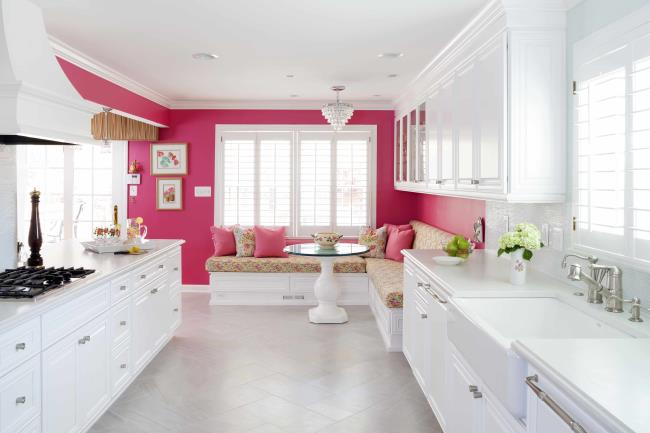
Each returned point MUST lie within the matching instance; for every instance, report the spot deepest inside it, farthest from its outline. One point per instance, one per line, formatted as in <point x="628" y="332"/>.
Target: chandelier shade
<point x="337" y="113"/>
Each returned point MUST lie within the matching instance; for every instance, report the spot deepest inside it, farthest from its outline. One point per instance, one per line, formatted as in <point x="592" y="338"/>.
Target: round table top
<point x="340" y="250"/>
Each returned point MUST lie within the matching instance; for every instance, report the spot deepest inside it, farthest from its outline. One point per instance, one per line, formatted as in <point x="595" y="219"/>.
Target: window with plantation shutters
<point x="612" y="143"/>
<point x="306" y="179"/>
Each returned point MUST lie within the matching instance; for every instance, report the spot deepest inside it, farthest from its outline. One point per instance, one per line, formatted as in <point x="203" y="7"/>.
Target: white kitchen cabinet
<point x="20" y="396"/>
<point x="465" y="404"/>
<point x="498" y="93"/>
<point x="152" y="319"/>
<point x="76" y="378"/>
<point x="409" y="320"/>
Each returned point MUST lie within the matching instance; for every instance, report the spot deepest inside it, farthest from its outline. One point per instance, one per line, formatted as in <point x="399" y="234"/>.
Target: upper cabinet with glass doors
<point x="492" y="124"/>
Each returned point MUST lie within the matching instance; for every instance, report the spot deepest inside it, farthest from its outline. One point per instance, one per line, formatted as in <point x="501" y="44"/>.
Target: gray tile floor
<point x="268" y="370"/>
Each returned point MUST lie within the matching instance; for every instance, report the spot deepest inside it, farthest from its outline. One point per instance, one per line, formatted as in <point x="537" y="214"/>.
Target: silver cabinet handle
<point x="143" y="276"/>
<point x="122" y="288"/>
<point x="176" y="309"/>
<point x="531" y="381"/>
<point x="123" y="323"/>
<point x="474" y="181"/>
<point x="20" y="346"/>
<point x="176" y="268"/>
<point x="161" y="266"/>
<point x="122" y="365"/>
<point x="477" y="394"/>
<point x="423" y="315"/>
<point x="436" y="297"/>
<point x="154" y="291"/>
<point x="21" y="400"/>
<point x="82" y="341"/>
<point x="473" y="388"/>
<point x="87" y="338"/>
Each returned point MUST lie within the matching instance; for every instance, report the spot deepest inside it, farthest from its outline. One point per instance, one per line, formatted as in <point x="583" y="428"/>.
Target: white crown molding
<point x="200" y="104"/>
<point x="66" y="52"/>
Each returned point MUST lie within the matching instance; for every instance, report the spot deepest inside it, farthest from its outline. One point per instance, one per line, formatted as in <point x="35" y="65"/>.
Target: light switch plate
<point x="133" y="190"/>
<point x="202" y="191"/>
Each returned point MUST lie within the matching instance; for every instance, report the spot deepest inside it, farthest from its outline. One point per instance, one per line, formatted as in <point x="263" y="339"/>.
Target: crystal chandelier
<point x="337" y="113"/>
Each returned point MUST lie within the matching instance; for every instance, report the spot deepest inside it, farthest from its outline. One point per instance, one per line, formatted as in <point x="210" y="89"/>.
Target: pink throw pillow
<point x="269" y="242"/>
<point x="399" y="240"/>
<point x="224" y="241"/>
<point x="401" y="227"/>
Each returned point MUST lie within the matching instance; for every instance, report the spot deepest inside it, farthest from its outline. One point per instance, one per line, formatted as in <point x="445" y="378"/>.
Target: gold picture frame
<point x="169" y="193"/>
<point x="168" y="158"/>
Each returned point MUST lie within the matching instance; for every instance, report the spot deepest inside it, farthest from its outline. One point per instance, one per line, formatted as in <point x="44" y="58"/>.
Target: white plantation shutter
<point x="351" y="182"/>
<point x="315" y="182"/>
<point x="612" y="131"/>
<point x="306" y="180"/>
<point x="239" y="179"/>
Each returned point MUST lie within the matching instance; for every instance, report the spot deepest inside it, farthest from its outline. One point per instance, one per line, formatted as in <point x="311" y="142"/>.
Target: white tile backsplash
<point x="548" y="260"/>
<point x="7" y="206"/>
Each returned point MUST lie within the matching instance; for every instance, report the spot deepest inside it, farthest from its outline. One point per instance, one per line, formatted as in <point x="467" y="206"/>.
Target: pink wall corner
<point x="452" y="214"/>
<point x="197" y="127"/>
<point x="103" y="92"/>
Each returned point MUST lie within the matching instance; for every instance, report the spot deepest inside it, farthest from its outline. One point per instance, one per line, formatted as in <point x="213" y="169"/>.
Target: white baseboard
<point x="195" y="288"/>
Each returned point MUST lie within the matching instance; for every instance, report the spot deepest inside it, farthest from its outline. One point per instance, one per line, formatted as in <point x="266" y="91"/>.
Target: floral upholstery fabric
<point x="281" y="264"/>
<point x="388" y="279"/>
<point x="244" y="241"/>
<point x="375" y="239"/>
<point x="428" y="237"/>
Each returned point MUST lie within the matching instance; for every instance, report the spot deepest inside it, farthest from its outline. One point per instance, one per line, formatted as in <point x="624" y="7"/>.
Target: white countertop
<point x="71" y="253"/>
<point x="611" y="377"/>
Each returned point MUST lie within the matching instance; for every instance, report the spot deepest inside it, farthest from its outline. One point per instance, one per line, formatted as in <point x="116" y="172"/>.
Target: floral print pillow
<point x="244" y="241"/>
<point x="375" y="239"/>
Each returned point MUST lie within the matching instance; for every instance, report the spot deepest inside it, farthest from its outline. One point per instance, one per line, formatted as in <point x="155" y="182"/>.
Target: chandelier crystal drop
<point x="337" y="113"/>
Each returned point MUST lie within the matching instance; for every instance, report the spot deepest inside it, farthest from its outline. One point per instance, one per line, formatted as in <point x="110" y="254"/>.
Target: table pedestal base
<point x="327" y="291"/>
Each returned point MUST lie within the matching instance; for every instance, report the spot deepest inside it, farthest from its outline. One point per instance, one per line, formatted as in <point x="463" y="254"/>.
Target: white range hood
<point x="36" y="98"/>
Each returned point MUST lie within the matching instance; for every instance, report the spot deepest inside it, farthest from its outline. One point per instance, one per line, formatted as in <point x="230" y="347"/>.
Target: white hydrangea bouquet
<point x="520" y="244"/>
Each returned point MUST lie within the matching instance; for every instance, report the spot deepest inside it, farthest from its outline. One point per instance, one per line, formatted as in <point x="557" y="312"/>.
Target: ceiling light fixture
<point x="390" y="55"/>
<point x="205" y="56"/>
<point x="338" y="113"/>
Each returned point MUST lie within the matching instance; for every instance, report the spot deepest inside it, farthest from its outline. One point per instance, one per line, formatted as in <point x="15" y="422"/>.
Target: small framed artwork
<point x="168" y="159"/>
<point x="169" y="193"/>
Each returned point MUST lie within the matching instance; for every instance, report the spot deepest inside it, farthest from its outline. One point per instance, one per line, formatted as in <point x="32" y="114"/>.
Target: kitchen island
<point x="68" y="354"/>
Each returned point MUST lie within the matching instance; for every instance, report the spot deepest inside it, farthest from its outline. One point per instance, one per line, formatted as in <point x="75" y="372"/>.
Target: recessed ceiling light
<point x="390" y="55"/>
<point x="205" y="56"/>
<point x="392" y="75"/>
<point x="290" y="75"/>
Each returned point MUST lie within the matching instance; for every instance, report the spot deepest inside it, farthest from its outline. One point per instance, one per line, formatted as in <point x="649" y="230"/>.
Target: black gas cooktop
<point x="26" y="282"/>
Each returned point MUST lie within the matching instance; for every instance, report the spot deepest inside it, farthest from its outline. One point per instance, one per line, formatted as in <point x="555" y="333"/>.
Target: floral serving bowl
<point x="326" y="239"/>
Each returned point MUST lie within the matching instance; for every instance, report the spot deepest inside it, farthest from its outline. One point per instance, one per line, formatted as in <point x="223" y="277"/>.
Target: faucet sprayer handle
<point x="590" y="259"/>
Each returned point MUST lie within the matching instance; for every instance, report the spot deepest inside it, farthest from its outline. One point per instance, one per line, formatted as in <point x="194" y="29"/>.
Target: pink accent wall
<point x="452" y="214"/>
<point x="101" y="91"/>
<point x="197" y="127"/>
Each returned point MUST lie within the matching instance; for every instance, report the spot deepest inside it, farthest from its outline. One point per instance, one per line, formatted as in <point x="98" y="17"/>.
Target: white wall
<point x="7" y="206"/>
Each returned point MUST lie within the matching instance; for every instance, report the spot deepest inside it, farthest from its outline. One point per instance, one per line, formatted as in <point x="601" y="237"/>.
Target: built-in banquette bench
<point x="290" y="281"/>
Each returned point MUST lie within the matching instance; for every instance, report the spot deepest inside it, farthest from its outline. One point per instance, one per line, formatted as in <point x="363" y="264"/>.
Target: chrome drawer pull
<point x="176" y="309"/>
<point x="423" y="315"/>
<point x="473" y="388"/>
<point x="474" y="181"/>
<point x="87" y="338"/>
<point x="154" y="291"/>
<point x="531" y="381"/>
<point x="161" y="266"/>
<point x="123" y="366"/>
<point x="176" y="268"/>
<point x="477" y="394"/>
<point x="438" y="181"/>
<point x="82" y="341"/>
<point x="123" y="323"/>
<point x="21" y="400"/>
<point x="122" y="288"/>
<point x="143" y="276"/>
<point x="21" y="346"/>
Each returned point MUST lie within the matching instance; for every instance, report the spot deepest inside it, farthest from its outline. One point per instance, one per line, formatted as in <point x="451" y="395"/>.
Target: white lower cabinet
<point x="20" y="396"/>
<point x="464" y="398"/>
<point x="76" y="383"/>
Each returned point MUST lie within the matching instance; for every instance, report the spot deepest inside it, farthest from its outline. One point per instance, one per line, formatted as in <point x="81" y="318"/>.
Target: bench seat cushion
<point x="387" y="277"/>
<point x="281" y="264"/>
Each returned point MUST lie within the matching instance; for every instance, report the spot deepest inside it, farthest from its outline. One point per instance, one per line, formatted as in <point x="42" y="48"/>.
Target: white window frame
<point x="119" y="155"/>
<point x="295" y="130"/>
<point x="609" y="40"/>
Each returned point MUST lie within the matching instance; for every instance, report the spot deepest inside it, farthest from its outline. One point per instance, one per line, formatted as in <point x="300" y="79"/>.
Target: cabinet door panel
<point x="60" y="387"/>
<point x="93" y="369"/>
<point x="491" y="107"/>
<point x="464" y="123"/>
<point x="437" y="337"/>
<point x="433" y="119"/>
<point x="409" y="324"/>
<point x="464" y="411"/>
<point x="142" y="323"/>
<point x="446" y="142"/>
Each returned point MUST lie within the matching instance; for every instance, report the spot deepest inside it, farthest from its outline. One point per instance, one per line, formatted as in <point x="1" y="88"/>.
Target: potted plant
<point x="520" y="244"/>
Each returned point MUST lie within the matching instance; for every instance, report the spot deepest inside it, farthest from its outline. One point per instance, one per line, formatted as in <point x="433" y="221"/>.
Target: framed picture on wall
<point x="169" y="193"/>
<point x="168" y="159"/>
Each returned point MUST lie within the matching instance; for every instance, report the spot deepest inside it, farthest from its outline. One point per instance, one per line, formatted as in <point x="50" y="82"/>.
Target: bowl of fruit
<point x="458" y="250"/>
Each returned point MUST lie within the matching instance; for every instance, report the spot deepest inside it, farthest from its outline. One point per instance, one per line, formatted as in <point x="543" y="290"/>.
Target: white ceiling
<point x="259" y="42"/>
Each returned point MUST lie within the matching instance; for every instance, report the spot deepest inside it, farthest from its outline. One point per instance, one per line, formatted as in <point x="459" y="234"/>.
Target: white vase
<point x="517" y="267"/>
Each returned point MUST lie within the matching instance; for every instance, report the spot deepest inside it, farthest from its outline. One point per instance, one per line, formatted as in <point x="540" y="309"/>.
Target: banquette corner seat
<point x="290" y="281"/>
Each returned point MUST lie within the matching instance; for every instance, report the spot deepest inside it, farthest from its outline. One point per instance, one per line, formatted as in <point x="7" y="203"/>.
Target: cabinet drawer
<point x="66" y="318"/>
<point x="20" y="396"/>
<point x="120" y="368"/>
<point x="19" y="344"/>
<point x="120" y="289"/>
<point x="149" y="272"/>
<point x="174" y="268"/>
<point x="120" y="322"/>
